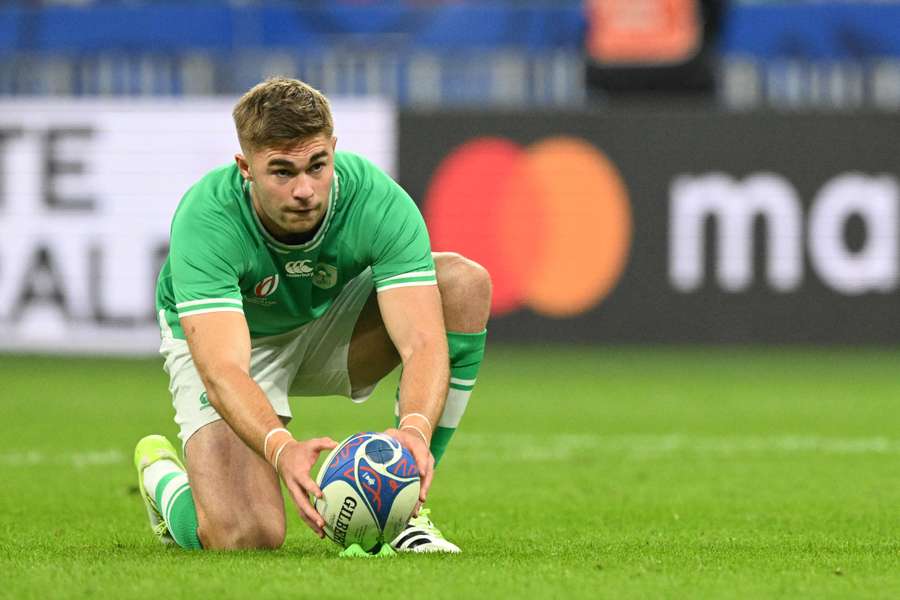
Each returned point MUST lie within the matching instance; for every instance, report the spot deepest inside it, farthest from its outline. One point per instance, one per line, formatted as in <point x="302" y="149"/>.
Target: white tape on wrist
<point x="415" y="414"/>
<point x="268" y="435"/>
<point x="419" y="431"/>
<point x="278" y="454"/>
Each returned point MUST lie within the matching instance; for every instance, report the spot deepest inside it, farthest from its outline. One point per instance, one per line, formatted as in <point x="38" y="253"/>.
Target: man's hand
<point x="422" y="455"/>
<point x="294" y="464"/>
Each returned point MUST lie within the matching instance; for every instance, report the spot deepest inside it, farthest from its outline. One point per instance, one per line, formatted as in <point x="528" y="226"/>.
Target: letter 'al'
<point x="872" y="268"/>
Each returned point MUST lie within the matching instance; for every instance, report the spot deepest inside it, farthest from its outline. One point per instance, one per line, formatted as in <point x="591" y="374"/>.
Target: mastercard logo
<point x="551" y="222"/>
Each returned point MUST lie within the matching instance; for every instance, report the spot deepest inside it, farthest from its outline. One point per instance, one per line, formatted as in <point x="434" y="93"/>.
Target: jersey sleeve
<point x="206" y="265"/>
<point x="401" y="249"/>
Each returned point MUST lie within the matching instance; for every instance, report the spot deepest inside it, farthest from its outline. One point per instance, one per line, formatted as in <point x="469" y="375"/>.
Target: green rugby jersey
<point x="221" y="258"/>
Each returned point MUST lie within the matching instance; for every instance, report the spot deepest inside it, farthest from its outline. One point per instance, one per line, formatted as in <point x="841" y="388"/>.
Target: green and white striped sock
<point x="466" y="354"/>
<point x="173" y="498"/>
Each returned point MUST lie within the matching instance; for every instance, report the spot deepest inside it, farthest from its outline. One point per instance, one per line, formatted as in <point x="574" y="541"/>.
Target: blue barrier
<point x="827" y="31"/>
<point x="11" y="29"/>
<point x="217" y="27"/>
<point x="466" y="53"/>
<point x="820" y="31"/>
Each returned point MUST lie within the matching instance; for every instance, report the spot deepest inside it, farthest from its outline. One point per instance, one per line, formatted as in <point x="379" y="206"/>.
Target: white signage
<point x="87" y="193"/>
<point x="736" y="205"/>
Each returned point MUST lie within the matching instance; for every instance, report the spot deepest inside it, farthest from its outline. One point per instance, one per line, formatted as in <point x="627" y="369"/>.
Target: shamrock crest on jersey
<point x="325" y="276"/>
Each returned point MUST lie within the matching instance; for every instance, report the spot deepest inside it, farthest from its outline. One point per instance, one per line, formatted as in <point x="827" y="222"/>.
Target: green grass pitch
<point x="577" y="472"/>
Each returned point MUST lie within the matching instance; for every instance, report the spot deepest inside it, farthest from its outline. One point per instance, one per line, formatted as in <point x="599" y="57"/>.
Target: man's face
<point x="291" y="185"/>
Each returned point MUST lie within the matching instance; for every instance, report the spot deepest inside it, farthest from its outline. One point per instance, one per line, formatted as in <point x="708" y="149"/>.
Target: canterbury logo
<point x="298" y="268"/>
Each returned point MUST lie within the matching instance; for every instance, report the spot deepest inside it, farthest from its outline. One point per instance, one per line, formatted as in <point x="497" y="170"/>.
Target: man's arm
<point x="415" y="322"/>
<point x="220" y="346"/>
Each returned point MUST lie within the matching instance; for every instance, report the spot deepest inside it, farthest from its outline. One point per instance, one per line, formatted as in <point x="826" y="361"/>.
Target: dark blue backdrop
<point x="830" y="30"/>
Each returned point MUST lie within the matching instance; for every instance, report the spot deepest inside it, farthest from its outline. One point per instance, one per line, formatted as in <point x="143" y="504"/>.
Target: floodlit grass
<point x="578" y="472"/>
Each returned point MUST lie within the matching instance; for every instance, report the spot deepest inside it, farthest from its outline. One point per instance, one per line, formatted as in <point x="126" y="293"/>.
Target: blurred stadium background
<point x="698" y="171"/>
<point x="690" y="210"/>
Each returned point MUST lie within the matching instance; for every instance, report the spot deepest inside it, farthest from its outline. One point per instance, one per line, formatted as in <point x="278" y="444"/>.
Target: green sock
<point x="175" y="502"/>
<point x="466" y="354"/>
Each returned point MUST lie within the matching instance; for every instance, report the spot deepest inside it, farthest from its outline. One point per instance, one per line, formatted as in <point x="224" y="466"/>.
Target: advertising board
<point x="643" y="226"/>
<point x="87" y="193"/>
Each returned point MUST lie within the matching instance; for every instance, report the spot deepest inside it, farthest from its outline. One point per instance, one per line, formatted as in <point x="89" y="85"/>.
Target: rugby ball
<point x="370" y="486"/>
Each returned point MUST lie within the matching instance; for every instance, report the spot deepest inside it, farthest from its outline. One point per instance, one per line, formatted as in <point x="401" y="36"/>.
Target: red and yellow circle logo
<point x="550" y="222"/>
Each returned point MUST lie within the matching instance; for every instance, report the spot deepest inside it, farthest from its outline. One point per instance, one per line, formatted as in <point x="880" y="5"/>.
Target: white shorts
<point x="308" y="361"/>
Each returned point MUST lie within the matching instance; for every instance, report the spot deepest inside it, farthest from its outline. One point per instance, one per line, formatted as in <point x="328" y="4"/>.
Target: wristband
<point x="415" y="414"/>
<point x="266" y="441"/>
<point x="275" y="443"/>
<point x="419" y="431"/>
<point x="278" y="453"/>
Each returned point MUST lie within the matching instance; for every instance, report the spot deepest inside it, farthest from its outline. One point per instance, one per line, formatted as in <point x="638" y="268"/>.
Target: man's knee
<point x="465" y="289"/>
<point x="246" y="535"/>
<point x="460" y="276"/>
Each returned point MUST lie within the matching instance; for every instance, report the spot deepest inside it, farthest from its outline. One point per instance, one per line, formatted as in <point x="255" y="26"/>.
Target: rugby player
<point x="299" y="271"/>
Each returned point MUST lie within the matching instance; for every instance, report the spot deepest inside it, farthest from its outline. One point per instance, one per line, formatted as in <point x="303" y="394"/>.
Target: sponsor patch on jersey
<point x="324" y="276"/>
<point x="266" y="287"/>
<point x="299" y="268"/>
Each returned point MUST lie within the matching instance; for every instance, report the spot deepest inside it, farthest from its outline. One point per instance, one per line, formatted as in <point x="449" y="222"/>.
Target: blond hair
<point x="280" y="112"/>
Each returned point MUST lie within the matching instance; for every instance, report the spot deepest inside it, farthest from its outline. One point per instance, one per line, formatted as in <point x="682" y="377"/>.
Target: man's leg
<point x="236" y="492"/>
<point x="228" y="499"/>
<point x="465" y="290"/>
<point x="164" y="487"/>
<point x="466" y="298"/>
